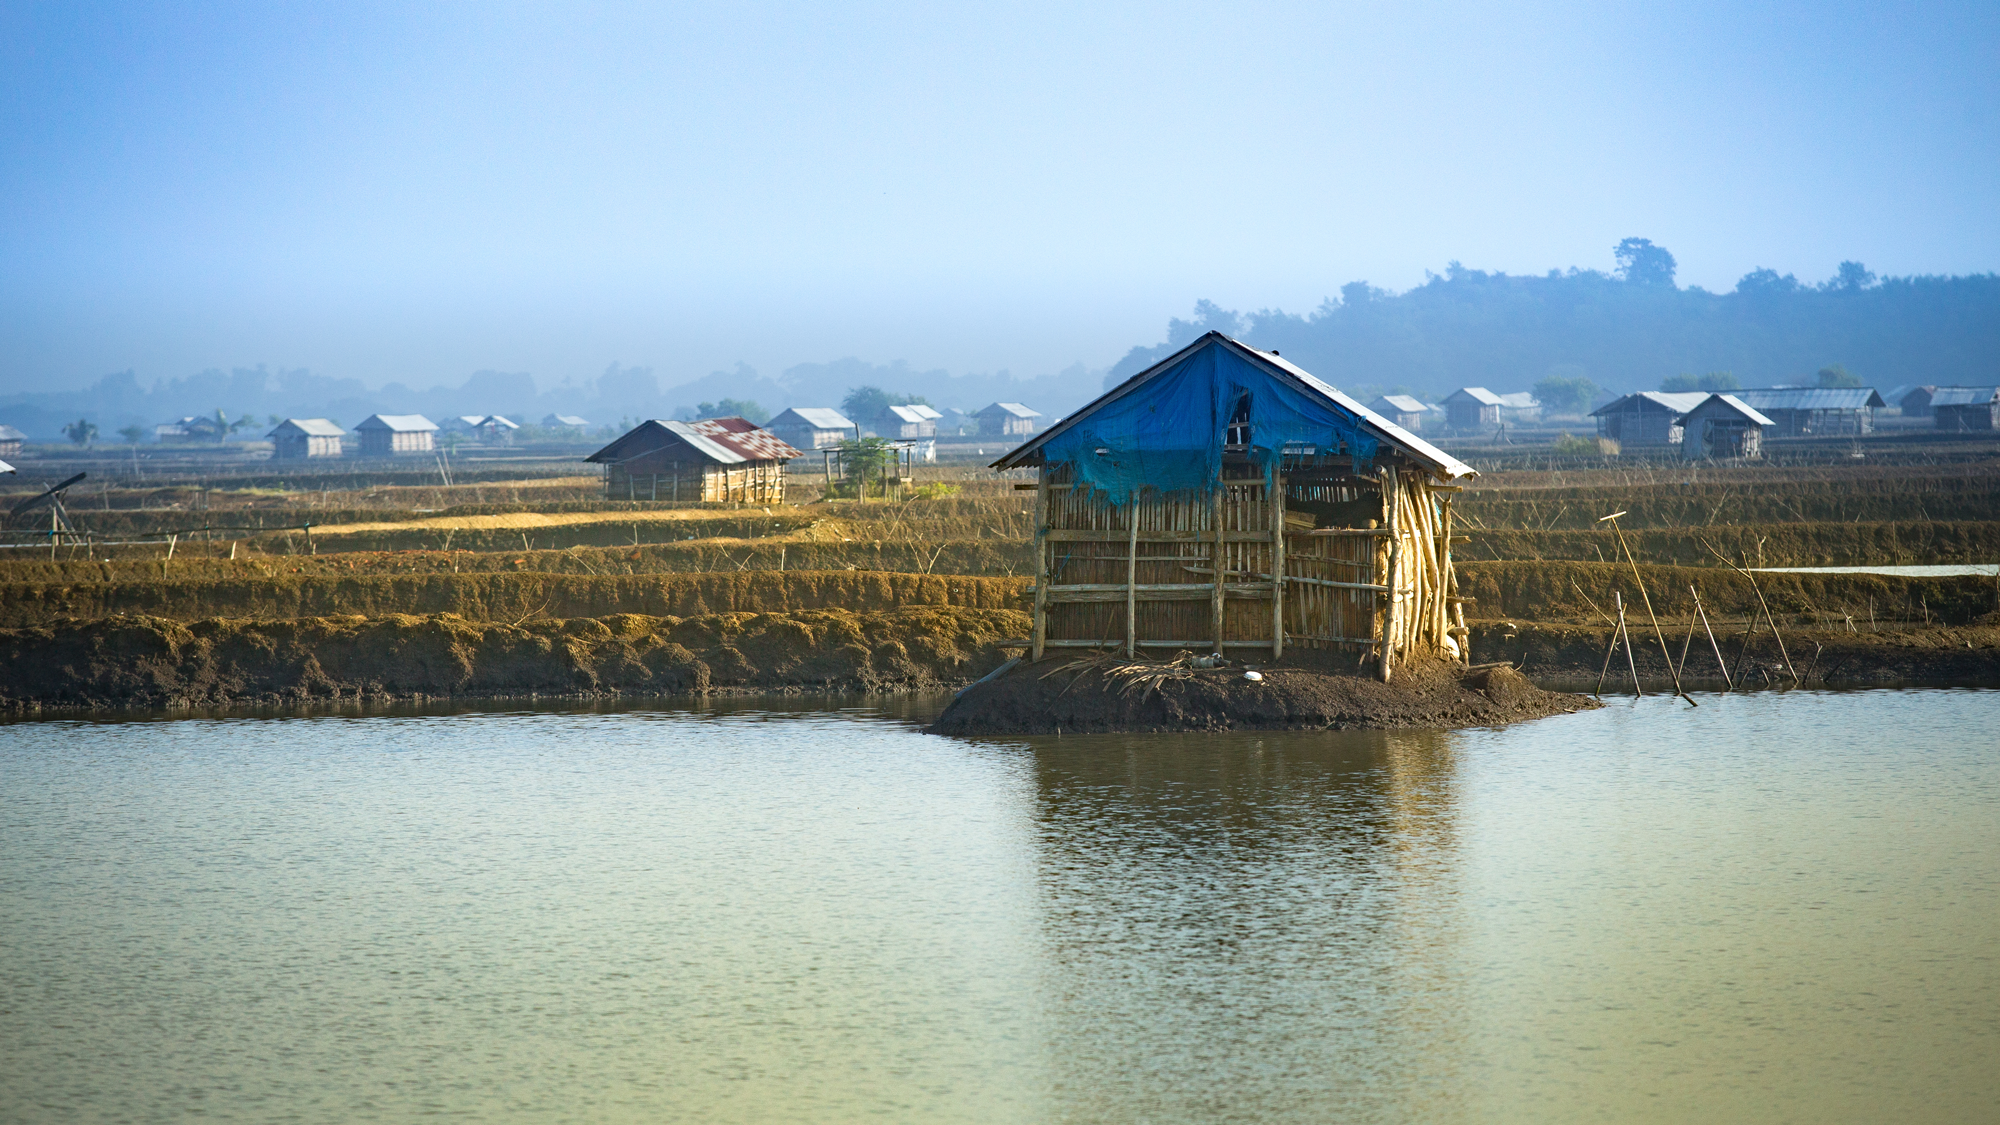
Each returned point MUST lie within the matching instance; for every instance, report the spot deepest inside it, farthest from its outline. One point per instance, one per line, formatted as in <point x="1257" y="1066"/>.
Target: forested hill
<point x="1624" y="332"/>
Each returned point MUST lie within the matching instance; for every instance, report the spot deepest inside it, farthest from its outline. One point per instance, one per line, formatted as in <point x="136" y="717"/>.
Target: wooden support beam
<point x="1115" y="592"/>
<point x="1132" y="577"/>
<point x="1390" y="486"/>
<point x="1041" y="613"/>
<point x="1069" y="535"/>
<point x="1277" y="565"/>
<point x="1221" y="564"/>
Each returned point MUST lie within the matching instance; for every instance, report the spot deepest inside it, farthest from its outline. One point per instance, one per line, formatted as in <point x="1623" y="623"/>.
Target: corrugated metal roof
<point x="818" y="417"/>
<point x="563" y="420"/>
<point x="914" y="414"/>
<point x="1676" y="402"/>
<point x="1735" y="405"/>
<point x="400" y="423"/>
<point x="1480" y="395"/>
<point x="726" y="441"/>
<point x="1410" y="445"/>
<point x="1811" y="398"/>
<point x="1519" y="400"/>
<point x="6" y="468"/>
<point x="1014" y="408"/>
<point x="9" y="433"/>
<point x="925" y="411"/>
<point x="1963" y="396"/>
<point x="1398" y="404"/>
<point x="312" y="427"/>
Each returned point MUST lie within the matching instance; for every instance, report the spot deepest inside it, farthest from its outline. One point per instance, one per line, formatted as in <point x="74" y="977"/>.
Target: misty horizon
<point x="989" y="203"/>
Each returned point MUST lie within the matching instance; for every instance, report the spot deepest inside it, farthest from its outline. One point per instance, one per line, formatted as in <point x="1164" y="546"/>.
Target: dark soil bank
<point x="1945" y="656"/>
<point x="153" y="662"/>
<point x="1080" y="696"/>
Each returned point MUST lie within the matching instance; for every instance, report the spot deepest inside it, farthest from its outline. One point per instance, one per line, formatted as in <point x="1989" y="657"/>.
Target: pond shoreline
<point x="128" y="663"/>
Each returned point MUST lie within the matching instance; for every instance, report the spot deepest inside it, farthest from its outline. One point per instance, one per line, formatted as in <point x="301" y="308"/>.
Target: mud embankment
<point x="1308" y="692"/>
<point x="153" y="662"/>
<point x="1944" y="656"/>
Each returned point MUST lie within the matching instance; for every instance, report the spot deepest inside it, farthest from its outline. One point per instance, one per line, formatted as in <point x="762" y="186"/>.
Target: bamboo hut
<point x="1225" y="499"/>
<point x="717" y="459"/>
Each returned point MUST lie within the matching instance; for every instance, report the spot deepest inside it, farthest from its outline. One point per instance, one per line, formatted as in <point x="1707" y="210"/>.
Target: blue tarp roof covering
<point x="1165" y="427"/>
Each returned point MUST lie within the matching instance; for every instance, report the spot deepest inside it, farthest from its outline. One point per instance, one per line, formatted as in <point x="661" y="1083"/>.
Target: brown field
<point x="518" y="554"/>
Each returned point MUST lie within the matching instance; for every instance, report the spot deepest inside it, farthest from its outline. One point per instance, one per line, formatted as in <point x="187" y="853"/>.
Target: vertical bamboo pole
<point x="1132" y="579"/>
<point x="1221" y="565"/>
<point x="1041" y="620"/>
<point x="1389" y="505"/>
<point x="1277" y="564"/>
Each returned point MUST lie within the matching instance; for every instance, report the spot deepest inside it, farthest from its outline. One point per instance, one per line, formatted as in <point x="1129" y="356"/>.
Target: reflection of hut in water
<point x="1223" y="498"/>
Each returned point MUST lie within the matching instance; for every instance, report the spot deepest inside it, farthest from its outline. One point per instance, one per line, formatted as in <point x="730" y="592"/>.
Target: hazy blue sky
<point x="416" y="191"/>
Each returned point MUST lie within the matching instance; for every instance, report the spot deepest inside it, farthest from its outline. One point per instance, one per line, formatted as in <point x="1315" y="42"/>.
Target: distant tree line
<point x="1631" y="329"/>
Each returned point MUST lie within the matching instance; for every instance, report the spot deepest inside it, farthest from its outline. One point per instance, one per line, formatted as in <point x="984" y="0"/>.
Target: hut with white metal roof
<point x="1403" y="410"/>
<point x="1722" y="428"/>
<point x="392" y="435"/>
<point x="1816" y="411"/>
<point x="296" y="439"/>
<point x="1646" y="418"/>
<point x="1471" y="408"/>
<point x="11" y="440"/>
<point x="812" y="427"/>
<point x="1006" y="419"/>
<point x="906" y="423"/>
<point x="1966" y="409"/>
<point x="716" y="459"/>
<point x="1224" y="498"/>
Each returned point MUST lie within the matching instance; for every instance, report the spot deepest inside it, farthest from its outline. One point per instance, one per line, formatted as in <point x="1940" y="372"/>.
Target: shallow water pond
<point x="1780" y="907"/>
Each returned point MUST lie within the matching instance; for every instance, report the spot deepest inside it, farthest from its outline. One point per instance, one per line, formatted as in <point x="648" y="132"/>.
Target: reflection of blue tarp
<point x="1168" y="434"/>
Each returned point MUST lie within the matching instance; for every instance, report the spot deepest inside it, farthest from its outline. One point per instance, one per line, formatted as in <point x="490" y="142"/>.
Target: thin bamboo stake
<point x="1755" y="588"/>
<point x="1648" y="600"/>
<point x="1637" y="691"/>
<point x="1719" y="661"/>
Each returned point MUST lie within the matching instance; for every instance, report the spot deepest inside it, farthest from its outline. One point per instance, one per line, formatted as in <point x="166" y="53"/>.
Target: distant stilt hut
<point x="1646" y="418"/>
<point x="296" y="439"/>
<point x="1722" y="427"/>
<point x="1225" y="499"/>
<point x="1966" y="409"/>
<point x="716" y="459"/>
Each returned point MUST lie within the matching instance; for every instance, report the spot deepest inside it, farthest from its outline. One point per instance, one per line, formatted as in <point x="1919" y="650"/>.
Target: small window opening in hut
<point x="1238" y="434"/>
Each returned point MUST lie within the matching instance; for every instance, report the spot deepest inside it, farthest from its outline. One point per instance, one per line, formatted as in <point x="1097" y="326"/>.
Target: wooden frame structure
<point x="1300" y="549"/>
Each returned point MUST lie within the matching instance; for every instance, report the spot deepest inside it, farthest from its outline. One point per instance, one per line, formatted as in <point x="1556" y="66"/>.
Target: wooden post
<point x="1132" y="579"/>
<point x="1221" y="564"/>
<point x="1041" y="611"/>
<point x="1277" y="562"/>
<point x="1389" y="505"/>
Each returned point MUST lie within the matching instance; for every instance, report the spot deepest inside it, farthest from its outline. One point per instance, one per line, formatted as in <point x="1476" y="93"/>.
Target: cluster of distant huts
<point x="1722" y="425"/>
<point x="801" y="428"/>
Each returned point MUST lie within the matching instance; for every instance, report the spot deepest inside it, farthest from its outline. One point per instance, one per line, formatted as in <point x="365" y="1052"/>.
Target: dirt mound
<point x="1310" y="693"/>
